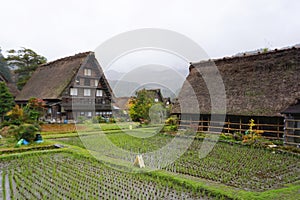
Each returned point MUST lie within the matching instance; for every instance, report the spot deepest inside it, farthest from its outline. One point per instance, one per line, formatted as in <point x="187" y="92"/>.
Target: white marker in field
<point x="139" y="161"/>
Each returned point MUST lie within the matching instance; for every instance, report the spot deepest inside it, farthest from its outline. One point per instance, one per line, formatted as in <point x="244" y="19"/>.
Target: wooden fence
<point x="269" y="131"/>
<point x="292" y="132"/>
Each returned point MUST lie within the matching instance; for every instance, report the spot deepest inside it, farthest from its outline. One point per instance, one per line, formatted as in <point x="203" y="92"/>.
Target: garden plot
<point x="68" y="176"/>
<point x="245" y="167"/>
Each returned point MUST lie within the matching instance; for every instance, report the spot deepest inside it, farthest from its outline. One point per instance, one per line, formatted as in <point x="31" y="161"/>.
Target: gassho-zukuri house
<point x="71" y="87"/>
<point x="262" y="86"/>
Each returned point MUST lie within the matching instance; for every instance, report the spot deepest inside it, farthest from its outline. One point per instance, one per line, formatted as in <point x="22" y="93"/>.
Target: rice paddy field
<point x="67" y="176"/>
<point x="229" y="171"/>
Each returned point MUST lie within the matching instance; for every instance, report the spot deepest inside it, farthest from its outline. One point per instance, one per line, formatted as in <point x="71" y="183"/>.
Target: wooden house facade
<point x="71" y="87"/>
<point x="259" y="86"/>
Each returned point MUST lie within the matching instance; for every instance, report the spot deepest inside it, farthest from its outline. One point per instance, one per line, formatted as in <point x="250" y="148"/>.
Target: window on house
<point x="89" y="114"/>
<point x="87" y="82"/>
<point x="96" y="83"/>
<point x="73" y="91"/>
<point x="99" y="93"/>
<point x="81" y="113"/>
<point x="87" y="92"/>
<point x="77" y="81"/>
<point x="87" y="72"/>
<point x="156" y="100"/>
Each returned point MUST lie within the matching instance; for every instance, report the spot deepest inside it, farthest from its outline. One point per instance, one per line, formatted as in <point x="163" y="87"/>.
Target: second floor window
<point x="73" y="91"/>
<point x="96" y="83"/>
<point x="87" y="82"/>
<point x="87" y="92"/>
<point x="89" y="114"/>
<point x="99" y="93"/>
<point x="87" y="72"/>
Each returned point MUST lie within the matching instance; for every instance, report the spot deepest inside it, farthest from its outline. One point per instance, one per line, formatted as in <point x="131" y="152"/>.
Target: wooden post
<point x="285" y="129"/>
<point x="191" y="124"/>
<point x="278" y="129"/>
<point x="240" y="125"/>
<point x="228" y="125"/>
<point x="201" y="123"/>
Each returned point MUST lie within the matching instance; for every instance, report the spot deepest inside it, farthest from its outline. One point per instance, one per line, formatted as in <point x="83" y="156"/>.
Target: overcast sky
<point x="57" y="28"/>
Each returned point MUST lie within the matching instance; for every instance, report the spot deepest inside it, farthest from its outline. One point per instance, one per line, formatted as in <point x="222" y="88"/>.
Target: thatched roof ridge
<point x="68" y="58"/>
<point x="248" y="56"/>
<point x="50" y="80"/>
<point x="263" y="84"/>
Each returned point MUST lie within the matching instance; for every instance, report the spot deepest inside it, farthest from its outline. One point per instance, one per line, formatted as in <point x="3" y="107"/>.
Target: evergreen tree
<point x="4" y="69"/>
<point x="6" y="100"/>
<point x="26" y="61"/>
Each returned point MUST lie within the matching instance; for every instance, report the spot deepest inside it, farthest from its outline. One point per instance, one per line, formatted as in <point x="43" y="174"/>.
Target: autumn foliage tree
<point x="35" y="108"/>
<point x="30" y="113"/>
<point x="143" y="108"/>
<point x="139" y="106"/>
<point x="16" y="115"/>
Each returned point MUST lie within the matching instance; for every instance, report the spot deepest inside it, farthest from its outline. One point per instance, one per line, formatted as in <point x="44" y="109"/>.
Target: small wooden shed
<point x="292" y="125"/>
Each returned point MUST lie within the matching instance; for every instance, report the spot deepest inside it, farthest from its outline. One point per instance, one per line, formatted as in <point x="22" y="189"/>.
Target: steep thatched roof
<point x="263" y="84"/>
<point x="293" y="109"/>
<point x="11" y="86"/>
<point x="50" y="79"/>
<point x="13" y="89"/>
<point x="121" y="102"/>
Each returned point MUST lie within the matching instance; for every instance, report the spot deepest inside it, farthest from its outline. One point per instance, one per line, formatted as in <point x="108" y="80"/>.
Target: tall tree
<point x="4" y="69"/>
<point x="140" y="105"/>
<point x="6" y="100"/>
<point x="26" y="61"/>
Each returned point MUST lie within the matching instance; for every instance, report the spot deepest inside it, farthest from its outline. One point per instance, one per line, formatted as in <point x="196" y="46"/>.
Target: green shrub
<point x="95" y="120"/>
<point x="170" y="128"/>
<point x="24" y="131"/>
<point x="81" y="119"/>
<point x="112" y="120"/>
<point x="226" y="136"/>
<point x="173" y="120"/>
<point x="238" y="136"/>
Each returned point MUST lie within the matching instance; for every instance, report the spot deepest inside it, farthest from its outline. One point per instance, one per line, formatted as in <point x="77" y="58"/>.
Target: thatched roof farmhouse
<point x="260" y="86"/>
<point x="72" y="86"/>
